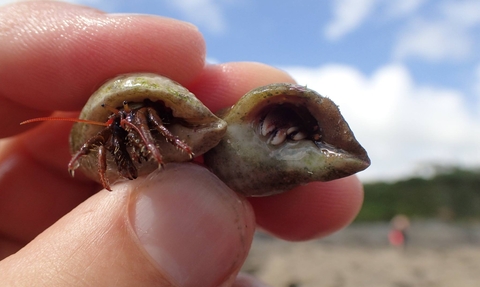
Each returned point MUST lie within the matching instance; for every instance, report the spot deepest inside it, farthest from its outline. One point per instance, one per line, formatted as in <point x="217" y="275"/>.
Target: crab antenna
<point x="63" y="120"/>
<point x="110" y="109"/>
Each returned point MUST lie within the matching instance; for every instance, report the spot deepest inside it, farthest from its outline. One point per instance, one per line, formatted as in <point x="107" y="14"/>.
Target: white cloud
<point x="444" y="31"/>
<point x="402" y="125"/>
<point x="348" y="15"/>
<point x="433" y="41"/>
<point x="476" y="85"/>
<point x="448" y="36"/>
<point x="466" y="13"/>
<point x="207" y="13"/>
<point x="402" y="7"/>
<point x="477" y="81"/>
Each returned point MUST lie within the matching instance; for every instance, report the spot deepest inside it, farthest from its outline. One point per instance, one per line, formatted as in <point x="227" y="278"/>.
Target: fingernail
<point x="195" y="228"/>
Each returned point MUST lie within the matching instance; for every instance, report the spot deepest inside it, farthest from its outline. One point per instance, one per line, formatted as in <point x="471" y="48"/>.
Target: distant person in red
<point x="398" y="234"/>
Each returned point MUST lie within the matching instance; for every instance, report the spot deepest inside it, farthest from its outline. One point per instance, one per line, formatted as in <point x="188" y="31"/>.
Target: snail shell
<point x="189" y="120"/>
<point x="283" y="135"/>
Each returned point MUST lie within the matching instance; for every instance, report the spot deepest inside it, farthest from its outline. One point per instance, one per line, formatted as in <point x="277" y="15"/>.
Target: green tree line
<point x="451" y="194"/>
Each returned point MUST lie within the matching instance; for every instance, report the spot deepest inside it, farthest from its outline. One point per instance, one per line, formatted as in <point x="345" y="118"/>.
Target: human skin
<point x="179" y="227"/>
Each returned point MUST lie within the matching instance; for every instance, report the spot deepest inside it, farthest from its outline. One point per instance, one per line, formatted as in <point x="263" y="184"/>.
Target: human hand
<point x="180" y="226"/>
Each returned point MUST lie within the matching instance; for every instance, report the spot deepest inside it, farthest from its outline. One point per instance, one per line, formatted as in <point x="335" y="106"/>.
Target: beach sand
<point x="437" y="254"/>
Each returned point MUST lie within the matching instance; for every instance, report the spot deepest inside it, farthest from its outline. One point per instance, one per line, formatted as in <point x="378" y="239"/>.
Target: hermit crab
<point x="135" y="123"/>
<point x="278" y="136"/>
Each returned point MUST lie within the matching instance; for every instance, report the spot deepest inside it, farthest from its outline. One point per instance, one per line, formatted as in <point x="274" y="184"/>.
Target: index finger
<point x="54" y="58"/>
<point x="53" y="55"/>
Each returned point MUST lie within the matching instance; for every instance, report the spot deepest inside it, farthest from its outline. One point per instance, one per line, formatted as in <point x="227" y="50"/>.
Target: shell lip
<point x="344" y="162"/>
<point x="357" y="160"/>
<point x="317" y="117"/>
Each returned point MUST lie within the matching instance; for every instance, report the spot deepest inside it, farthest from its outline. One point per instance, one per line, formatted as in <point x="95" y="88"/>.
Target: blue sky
<point x="361" y="33"/>
<point x="405" y="73"/>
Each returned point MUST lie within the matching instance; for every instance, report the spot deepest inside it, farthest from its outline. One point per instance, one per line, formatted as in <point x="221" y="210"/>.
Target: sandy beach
<point x="437" y="254"/>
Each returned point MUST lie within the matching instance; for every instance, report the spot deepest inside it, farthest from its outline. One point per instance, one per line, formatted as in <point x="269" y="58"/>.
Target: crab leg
<point x="120" y="154"/>
<point x="102" y="167"/>
<point x="140" y="125"/>
<point x="97" y="140"/>
<point x="158" y="123"/>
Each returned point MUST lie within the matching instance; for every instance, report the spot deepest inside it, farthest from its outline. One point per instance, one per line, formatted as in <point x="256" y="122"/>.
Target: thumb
<point x="180" y="226"/>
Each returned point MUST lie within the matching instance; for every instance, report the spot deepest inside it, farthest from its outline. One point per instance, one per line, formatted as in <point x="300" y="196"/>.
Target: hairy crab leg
<point x="120" y="154"/>
<point x="102" y="167"/>
<point x="155" y="119"/>
<point x="97" y="140"/>
<point x="139" y="151"/>
<point x="141" y="127"/>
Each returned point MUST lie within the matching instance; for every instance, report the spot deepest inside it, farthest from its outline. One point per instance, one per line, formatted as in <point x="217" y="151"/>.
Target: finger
<point x="311" y="211"/>
<point x="220" y="86"/>
<point x="36" y="187"/>
<point x="53" y="55"/>
<point x="178" y="227"/>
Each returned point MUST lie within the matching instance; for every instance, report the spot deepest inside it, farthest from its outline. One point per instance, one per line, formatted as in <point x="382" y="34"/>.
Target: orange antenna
<point x="63" y="120"/>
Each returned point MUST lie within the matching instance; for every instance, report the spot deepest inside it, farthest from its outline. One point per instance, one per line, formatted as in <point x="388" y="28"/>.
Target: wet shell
<point x="190" y="122"/>
<point x="283" y="135"/>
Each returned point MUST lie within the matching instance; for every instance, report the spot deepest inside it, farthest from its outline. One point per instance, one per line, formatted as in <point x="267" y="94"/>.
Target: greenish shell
<point x="248" y="163"/>
<point x="199" y="127"/>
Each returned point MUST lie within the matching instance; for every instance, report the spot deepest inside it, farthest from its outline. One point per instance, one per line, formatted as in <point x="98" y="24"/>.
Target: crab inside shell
<point x="181" y="113"/>
<point x="283" y="135"/>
